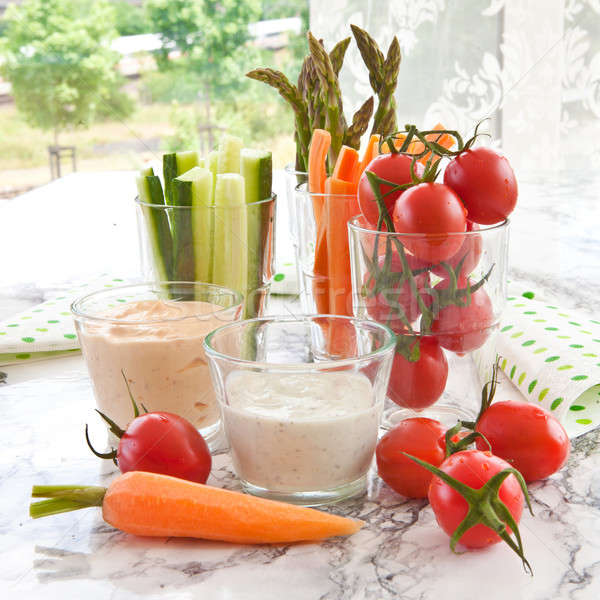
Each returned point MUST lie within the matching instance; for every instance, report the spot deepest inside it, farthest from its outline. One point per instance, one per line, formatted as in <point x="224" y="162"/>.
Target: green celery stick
<point x="257" y="170"/>
<point x="157" y="222"/>
<point x="229" y="154"/>
<point x="230" y="251"/>
<point x="195" y="189"/>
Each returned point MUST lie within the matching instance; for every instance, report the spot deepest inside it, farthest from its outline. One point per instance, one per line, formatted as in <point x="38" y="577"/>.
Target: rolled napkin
<point x="46" y="330"/>
<point x="553" y="357"/>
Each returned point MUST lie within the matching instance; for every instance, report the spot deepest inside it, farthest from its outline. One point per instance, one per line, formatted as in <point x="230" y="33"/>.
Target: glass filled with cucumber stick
<point x="211" y="219"/>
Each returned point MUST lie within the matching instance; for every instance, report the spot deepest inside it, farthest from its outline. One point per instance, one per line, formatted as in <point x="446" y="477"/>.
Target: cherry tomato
<point x="530" y="438"/>
<point x="464" y="328"/>
<point x="471" y="251"/>
<point x="473" y="468"/>
<point x="485" y="182"/>
<point x="433" y="210"/>
<point x="419" y="384"/>
<point x="383" y="307"/>
<point x="162" y="442"/>
<point x="391" y="167"/>
<point x="417" y="436"/>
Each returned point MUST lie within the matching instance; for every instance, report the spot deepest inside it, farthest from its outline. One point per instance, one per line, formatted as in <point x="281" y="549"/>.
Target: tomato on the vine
<point x="162" y="442"/>
<point x="385" y="306"/>
<point x="473" y="468"/>
<point x="158" y="442"/>
<point x="391" y="167"/>
<point x="420" y="437"/>
<point x="419" y="384"/>
<point x="469" y="253"/>
<point x="464" y="328"/>
<point x="527" y="436"/>
<point x="485" y="182"/>
<point x="435" y="212"/>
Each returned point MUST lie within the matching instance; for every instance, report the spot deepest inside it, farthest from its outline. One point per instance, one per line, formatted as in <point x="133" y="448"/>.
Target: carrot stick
<point x="443" y="140"/>
<point x="150" y="504"/>
<point x="340" y="206"/>
<point x="317" y="173"/>
<point x="371" y="151"/>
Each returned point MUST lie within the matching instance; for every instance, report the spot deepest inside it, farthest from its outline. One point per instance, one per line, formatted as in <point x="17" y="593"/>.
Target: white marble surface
<point x="401" y="553"/>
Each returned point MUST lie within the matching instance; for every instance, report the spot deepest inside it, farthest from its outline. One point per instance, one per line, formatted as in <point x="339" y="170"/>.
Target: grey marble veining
<point x="400" y="553"/>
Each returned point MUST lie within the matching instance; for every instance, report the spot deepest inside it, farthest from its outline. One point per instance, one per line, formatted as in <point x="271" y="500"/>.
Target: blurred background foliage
<point x="74" y="72"/>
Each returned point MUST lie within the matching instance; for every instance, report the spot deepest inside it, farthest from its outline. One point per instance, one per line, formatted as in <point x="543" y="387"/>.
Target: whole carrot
<point x="149" y="504"/>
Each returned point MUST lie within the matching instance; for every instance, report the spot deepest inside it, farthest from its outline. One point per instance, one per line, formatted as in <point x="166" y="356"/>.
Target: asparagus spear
<point x="383" y="76"/>
<point x="331" y="95"/>
<point x="289" y="92"/>
<point x="360" y="122"/>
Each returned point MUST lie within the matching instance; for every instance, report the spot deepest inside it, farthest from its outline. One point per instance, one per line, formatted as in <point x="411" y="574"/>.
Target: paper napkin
<point x="553" y="357"/>
<point x="46" y="330"/>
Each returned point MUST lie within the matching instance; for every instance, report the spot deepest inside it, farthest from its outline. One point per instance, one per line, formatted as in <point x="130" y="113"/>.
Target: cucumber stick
<point x="230" y="249"/>
<point x="181" y="228"/>
<point x="157" y="222"/>
<point x="176" y="164"/>
<point x="257" y="171"/>
<point x="195" y="189"/>
<point x="228" y="160"/>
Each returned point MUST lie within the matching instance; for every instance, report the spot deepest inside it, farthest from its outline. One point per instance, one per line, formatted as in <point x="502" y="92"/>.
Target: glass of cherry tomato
<point x="443" y="295"/>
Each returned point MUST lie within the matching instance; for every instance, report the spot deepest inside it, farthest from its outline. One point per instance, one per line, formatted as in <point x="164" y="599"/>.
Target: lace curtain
<point x="531" y="66"/>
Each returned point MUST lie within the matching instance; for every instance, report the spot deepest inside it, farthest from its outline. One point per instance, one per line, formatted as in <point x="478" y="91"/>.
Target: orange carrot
<point x="317" y="157"/>
<point x="442" y="139"/>
<point x="371" y="151"/>
<point x="340" y="206"/>
<point x="317" y="173"/>
<point x="150" y="504"/>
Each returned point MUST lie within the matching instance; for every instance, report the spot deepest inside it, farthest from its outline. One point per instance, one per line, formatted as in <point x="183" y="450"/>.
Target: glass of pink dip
<point x="153" y="333"/>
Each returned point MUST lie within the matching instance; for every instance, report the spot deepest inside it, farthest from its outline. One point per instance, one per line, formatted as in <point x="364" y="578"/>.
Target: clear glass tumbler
<point x="151" y="334"/>
<point x="230" y="246"/>
<point x="443" y="296"/>
<point x="323" y="254"/>
<point x="301" y="400"/>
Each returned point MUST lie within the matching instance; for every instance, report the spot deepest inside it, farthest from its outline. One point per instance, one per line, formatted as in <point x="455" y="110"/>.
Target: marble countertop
<point x="399" y="554"/>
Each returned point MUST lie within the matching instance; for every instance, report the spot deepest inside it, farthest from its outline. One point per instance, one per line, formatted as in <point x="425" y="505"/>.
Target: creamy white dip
<point x="300" y="432"/>
<point x="164" y="361"/>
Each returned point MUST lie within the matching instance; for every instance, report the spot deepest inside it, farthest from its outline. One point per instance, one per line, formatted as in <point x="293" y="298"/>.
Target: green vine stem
<point x="485" y="507"/>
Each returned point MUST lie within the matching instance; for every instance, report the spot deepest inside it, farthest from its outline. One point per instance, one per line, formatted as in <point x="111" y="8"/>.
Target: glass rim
<point x="139" y="201"/>
<point x="388" y="346"/>
<point x="354" y="226"/>
<point x="321" y="194"/>
<point x="78" y="312"/>
<point x="290" y="169"/>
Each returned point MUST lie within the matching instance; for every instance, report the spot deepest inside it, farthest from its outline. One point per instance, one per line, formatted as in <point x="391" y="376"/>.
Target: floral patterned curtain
<point x="531" y="66"/>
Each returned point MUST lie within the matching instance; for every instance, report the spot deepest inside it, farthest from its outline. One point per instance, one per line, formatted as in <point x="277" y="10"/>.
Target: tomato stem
<point x="485" y="507"/>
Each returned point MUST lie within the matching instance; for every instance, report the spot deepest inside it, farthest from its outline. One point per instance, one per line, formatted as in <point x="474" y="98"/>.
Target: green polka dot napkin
<point x="46" y="330"/>
<point x="553" y="357"/>
<point x="285" y="281"/>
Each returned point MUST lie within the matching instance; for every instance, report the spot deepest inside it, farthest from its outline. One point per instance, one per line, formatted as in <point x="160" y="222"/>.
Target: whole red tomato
<point x="485" y="182"/>
<point x="527" y="436"/>
<point x="473" y="468"/>
<point x="434" y="211"/>
<point x="417" y="436"/>
<point x="391" y="167"/>
<point x="464" y="328"/>
<point x="162" y="442"/>
<point x="383" y="307"/>
<point x="419" y="384"/>
<point x="470" y="250"/>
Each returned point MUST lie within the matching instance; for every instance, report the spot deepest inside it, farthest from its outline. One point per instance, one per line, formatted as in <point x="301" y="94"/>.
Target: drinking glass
<point x="301" y="399"/>
<point x="231" y="246"/>
<point x="443" y="296"/>
<point x="147" y="339"/>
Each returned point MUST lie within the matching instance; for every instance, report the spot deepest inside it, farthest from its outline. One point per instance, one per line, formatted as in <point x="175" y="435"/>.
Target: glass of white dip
<point x="153" y="334"/>
<point x="302" y="401"/>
